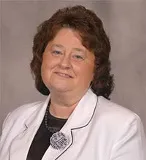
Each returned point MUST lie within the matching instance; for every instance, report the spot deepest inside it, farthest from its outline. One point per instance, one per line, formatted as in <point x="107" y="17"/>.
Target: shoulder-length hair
<point x="93" y="36"/>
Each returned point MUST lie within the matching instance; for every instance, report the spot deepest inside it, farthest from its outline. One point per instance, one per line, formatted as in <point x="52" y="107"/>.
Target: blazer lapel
<point x="21" y="143"/>
<point x="81" y="117"/>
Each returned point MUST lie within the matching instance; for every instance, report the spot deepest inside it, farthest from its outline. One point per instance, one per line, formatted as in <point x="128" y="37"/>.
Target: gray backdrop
<point x="125" y="23"/>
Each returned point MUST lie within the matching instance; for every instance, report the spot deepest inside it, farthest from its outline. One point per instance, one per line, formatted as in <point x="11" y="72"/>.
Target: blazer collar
<point x="37" y="115"/>
<point x="83" y="112"/>
<point x="80" y="117"/>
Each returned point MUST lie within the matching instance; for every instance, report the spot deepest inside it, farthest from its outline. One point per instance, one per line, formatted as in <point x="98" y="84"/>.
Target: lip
<point x="63" y="74"/>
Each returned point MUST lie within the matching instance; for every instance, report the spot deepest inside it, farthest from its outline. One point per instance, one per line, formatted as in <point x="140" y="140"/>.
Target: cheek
<point x="86" y="72"/>
<point x="44" y="72"/>
<point x="48" y="63"/>
<point x="89" y="75"/>
<point x="48" y="66"/>
<point x="45" y="68"/>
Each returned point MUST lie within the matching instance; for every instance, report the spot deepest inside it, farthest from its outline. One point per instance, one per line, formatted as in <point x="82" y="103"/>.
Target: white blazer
<point x="97" y="130"/>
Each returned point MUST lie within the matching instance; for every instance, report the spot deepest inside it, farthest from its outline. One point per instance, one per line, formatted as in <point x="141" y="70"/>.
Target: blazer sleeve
<point x="131" y="142"/>
<point x="5" y="124"/>
<point x="5" y="127"/>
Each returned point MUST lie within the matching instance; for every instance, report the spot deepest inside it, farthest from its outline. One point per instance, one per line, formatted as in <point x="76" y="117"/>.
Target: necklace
<point x="58" y="139"/>
<point x="49" y="128"/>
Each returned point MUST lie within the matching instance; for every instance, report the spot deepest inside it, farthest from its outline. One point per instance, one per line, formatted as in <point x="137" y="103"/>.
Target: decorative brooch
<point x="59" y="141"/>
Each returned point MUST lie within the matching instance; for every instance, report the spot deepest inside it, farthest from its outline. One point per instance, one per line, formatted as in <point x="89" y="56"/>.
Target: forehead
<point x="68" y="36"/>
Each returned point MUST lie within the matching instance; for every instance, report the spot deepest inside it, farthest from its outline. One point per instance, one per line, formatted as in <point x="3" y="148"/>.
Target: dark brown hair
<point x="93" y="36"/>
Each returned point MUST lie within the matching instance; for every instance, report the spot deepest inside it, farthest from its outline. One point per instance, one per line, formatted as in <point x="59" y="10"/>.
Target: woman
<point x="77" y="121"/>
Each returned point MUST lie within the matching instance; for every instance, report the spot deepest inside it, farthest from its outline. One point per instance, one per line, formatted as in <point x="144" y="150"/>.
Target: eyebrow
<point x="79" y="49"/>
<point x="76" y="49"/>
<point x="58" y="45"/>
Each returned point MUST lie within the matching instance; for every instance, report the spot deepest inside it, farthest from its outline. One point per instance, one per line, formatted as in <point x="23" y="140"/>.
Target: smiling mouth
<point x="63" y="75"/>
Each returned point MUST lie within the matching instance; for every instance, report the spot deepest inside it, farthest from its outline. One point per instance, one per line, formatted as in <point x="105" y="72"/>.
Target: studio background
<point x="125" y="24"/>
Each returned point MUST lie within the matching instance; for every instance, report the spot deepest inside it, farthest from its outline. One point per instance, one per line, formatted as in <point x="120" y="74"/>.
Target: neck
<point x="63" y="104"/>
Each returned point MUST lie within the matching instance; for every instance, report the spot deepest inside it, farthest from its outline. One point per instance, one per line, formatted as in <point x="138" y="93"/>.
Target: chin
<point x="60" y="88"/>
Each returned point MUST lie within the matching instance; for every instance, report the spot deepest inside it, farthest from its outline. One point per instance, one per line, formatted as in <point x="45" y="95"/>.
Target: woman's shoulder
<point x="122" y="126"/>
<point x="26" y="108"/>
<point x="22" y="112"/>
<point x="114" y="113"/>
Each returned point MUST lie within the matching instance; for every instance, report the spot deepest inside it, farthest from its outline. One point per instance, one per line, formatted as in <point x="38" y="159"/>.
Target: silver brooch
<point x="59" y="141"/>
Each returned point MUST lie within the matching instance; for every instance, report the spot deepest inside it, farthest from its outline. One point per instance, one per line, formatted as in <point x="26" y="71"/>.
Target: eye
<point x="55" y="52"/>
<point x="78" y="57"/>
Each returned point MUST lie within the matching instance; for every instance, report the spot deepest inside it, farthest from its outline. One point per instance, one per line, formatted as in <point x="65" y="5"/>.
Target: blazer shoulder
<point x="26" y="108"/>
<point x="114" y="113"/>
<point x="23" y="111"/>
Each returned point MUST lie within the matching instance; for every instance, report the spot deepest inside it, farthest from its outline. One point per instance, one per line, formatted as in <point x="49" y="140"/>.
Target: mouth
<point x="63" y="75"/>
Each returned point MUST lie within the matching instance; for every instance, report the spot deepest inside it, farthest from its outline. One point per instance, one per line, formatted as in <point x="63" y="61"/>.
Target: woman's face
<point x="67" y="65"/>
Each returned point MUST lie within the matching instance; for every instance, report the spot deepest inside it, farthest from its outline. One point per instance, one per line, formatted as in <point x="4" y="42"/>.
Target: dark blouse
<point x="41" y="140"/>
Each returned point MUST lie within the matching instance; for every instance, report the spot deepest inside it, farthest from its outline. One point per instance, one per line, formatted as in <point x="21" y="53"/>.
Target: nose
<point x="65" y="62"/>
